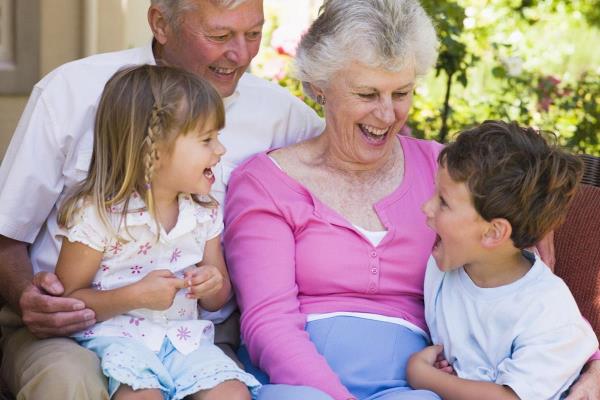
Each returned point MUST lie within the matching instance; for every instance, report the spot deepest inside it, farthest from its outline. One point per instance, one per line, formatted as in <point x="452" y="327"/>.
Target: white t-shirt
<point x="127" y="261"/>
<point x="51" y="148"/>
<point x="528" y="335"/>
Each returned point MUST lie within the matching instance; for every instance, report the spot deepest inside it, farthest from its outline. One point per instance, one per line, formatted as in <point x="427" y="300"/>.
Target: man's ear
<point x="497" y="232"/>
<point x="158" y="24"/>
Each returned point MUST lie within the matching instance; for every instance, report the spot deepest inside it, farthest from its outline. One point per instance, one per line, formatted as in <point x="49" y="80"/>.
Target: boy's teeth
<point x="208" y="173"/>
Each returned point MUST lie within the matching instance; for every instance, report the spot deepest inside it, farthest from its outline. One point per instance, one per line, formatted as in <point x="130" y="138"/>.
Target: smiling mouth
<point x="223" y="71"/>
<point x="374" y="135"/>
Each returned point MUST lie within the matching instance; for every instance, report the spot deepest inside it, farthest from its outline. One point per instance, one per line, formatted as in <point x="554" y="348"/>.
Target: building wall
<point x="71" y="29"/>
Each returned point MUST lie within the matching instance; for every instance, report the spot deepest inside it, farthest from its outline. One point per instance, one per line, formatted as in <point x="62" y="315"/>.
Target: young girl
<point x="142" y="240"/>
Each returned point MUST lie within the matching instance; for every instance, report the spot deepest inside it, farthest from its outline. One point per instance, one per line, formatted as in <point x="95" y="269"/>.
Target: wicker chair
<point x="577" y="245"/>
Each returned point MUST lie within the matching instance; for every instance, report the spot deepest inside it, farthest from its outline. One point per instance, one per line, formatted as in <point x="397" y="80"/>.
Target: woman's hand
<point x="157" y="290"/>
<point x="545" y="248"/>
<point x="588" y="385"/>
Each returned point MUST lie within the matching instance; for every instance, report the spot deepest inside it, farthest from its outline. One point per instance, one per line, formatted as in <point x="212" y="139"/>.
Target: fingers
<point x="59" y="324"/>
<point x="35" y="301"/>
<point x="49" y="283"/>
<point x="205" y="288"/>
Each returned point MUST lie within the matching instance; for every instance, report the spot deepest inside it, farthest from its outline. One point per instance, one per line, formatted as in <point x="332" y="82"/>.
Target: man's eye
<point x="253" y="35"/>
<point x="219" y="38"/>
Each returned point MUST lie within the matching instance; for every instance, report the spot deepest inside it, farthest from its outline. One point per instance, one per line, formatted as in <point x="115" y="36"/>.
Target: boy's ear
<point x="498" y="232"/>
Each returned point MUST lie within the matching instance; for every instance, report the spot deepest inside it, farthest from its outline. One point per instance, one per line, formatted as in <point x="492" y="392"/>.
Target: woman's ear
<point x="158" y="24"/>
<point x="497" y="232"/>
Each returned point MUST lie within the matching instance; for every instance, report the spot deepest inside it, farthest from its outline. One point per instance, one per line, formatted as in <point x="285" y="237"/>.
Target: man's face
<point x="215" y="43"/>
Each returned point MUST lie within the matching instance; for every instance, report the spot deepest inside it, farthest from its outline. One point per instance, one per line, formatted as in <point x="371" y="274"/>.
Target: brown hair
<point x="513" y="172"/>
<point x="140" y="108"/>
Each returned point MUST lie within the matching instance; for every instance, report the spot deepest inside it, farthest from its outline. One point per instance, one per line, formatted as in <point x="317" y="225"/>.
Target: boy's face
<point x="451" y="214"/>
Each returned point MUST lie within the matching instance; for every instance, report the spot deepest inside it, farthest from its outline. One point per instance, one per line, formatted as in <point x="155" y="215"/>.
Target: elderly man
<point x="50" y="152"/>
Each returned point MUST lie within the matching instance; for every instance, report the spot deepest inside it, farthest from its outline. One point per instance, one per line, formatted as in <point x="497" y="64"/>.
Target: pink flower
<point x="136" y="321"/>
<point x="116" y="248"/>
<point x="144" y="248"/>
<point x="136" y="269"/>
<point x="285" y="39"/>
<point x="183" y="333"/>
<point x="175" y="256"/>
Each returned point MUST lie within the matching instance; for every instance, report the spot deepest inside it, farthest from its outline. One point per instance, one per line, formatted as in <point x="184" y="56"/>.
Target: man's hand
<point x="588" y="385"/>
<point x="46" y="314"/>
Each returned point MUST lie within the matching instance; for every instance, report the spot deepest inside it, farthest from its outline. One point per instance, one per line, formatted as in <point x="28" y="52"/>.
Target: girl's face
<point x="366" y="107"/>
<point x="187" y="168"/>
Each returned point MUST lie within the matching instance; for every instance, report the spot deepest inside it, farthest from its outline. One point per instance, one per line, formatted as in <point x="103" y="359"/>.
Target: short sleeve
<point x="87" y="228"/>
<point x="546" y="360"/>
<point x="216" y="223"/>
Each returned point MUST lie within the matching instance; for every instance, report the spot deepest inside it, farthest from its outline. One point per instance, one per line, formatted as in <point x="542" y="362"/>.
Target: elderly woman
<point x="325" y="240"/>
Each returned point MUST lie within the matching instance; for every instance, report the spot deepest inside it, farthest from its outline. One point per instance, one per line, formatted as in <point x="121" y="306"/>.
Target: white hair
<point x="389" y="34"/>
<point x="173" y="10"/>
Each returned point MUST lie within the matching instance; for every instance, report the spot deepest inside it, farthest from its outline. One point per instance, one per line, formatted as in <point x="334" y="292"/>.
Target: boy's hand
<point x="443" y="365"/>
<point x="203" y="281"/>
<point x="157" y="290"/>
<point x="421" y="364"/>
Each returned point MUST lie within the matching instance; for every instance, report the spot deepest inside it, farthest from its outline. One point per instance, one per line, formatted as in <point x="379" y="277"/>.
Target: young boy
<point x="509" y="327"/>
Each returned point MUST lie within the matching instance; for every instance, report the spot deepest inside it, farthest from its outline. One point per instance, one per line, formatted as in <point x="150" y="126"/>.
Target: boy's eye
<point x="443" y="202"/>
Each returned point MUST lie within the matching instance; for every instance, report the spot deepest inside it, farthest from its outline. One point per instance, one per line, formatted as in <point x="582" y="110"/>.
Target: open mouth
<point x="374" y="135"/>
<point x="208" y="174"/>
<point x="225" y="72"/>
<point x="437" y="241"/>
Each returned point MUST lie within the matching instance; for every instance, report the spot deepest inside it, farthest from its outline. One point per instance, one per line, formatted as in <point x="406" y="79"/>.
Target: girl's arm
<point x="76" y="267"/>
<point x="422" y="374"/>
<point x="209" y="283"/>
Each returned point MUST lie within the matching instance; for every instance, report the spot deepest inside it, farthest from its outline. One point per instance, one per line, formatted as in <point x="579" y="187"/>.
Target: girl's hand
<point x="157" y="290"/>
<point x="203" y="281"/>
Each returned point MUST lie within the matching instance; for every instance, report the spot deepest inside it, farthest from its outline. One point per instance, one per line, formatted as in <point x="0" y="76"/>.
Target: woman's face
<point x="365" y="108"/>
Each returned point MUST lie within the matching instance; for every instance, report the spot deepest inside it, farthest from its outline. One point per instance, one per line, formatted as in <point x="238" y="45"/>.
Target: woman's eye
<point x="367" y="95"/>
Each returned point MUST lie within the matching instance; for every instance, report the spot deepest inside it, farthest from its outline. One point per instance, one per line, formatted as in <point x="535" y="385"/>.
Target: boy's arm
<point x="422" y="374"/>
<point x="76" y="267"/>
<point x="210" y="282"/>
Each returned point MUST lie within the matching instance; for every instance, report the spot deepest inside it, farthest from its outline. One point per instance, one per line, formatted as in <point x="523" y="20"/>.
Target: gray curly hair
<point x="389" y="34"/>
<point x="173" y="10"/>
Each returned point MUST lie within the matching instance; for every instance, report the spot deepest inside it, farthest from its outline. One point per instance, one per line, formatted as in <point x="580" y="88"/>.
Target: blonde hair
<point x="141" y="108"/>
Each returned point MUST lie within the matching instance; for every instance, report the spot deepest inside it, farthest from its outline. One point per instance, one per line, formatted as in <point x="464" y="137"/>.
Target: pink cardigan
<point x="290" y="255"/>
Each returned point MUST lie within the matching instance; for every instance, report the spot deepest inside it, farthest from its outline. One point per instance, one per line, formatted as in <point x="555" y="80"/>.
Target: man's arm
<point x="36" y="297"/>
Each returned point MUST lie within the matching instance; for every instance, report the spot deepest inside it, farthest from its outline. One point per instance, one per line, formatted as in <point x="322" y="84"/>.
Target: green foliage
<point x="531" y="61"/>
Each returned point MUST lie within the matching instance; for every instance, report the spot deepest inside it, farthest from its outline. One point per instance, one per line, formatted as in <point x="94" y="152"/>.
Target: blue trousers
<point x="369" y="356"/>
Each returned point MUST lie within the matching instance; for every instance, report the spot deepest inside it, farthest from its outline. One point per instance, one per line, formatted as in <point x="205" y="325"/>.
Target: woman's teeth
<point x="373" y="132"/>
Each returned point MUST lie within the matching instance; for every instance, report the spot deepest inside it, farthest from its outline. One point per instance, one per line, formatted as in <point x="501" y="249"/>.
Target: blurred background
<point x="532" y="61"/>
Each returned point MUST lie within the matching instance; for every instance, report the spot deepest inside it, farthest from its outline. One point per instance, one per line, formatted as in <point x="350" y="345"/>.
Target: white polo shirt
<point x="51" y="148"/>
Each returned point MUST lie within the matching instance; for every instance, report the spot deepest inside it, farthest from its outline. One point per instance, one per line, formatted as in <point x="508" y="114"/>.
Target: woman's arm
<point x="587" y="386"/>
<point x="422" y="374"/>
<point x="76" y="267"/>
<point x="260" y="249"/>
<point x="209" y="282"/>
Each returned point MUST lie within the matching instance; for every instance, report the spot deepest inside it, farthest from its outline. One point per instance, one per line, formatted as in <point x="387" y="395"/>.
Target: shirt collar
<point x="190" y="214"/>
